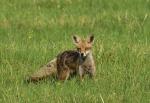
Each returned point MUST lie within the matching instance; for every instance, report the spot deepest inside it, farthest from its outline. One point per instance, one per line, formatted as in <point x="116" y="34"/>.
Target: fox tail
<point x="50" y="69"/>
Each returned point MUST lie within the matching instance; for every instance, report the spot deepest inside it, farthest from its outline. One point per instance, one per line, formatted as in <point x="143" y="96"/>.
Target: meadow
<point x="32" y="32"/>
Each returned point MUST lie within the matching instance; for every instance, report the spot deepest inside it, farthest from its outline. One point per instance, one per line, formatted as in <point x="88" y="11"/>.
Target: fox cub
<point x="79" y="61"/>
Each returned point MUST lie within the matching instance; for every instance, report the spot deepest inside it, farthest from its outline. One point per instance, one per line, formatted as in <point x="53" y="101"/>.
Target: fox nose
<point x="83" y="55"/>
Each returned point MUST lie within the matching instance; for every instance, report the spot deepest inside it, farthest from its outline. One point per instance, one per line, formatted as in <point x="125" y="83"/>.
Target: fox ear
<point x="90" y="39"/>
<point x="76" y="39"/>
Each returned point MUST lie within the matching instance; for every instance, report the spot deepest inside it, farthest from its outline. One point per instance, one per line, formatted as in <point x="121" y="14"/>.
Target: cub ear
<point x="90" y="39"/>
<point x="76" y="39"/>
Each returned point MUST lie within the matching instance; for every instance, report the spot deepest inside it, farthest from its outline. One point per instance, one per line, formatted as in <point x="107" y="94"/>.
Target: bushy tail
<point x="50" y="69"/>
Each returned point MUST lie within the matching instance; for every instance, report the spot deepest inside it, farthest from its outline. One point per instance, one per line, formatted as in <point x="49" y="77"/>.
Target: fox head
<point x="83" y="46"/>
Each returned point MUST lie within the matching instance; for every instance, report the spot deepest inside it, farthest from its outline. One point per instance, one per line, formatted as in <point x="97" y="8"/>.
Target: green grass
<point x="32" y="32"/>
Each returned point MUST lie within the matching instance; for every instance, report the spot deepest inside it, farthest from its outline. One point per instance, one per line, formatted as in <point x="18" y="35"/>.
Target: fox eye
<point x="79" y="49"/>
<point x="87" y="48"/>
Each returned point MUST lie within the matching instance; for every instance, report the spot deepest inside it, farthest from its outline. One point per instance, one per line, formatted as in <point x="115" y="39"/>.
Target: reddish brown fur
<point x="83" y="45"/>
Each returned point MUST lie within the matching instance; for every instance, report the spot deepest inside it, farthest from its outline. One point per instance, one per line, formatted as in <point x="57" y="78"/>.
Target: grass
<point x="32" y="32"/>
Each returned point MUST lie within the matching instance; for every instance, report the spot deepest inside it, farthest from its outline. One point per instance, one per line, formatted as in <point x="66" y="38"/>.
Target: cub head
<point x="83" y="46"/>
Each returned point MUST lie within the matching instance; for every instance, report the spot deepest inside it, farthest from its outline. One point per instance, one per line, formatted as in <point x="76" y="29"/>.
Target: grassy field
<point x="32" y="32"/>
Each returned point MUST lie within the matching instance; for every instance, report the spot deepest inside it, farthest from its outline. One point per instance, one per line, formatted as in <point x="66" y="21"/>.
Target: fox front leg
<point x="81" y="73"/>
<point x="91" y="72"/>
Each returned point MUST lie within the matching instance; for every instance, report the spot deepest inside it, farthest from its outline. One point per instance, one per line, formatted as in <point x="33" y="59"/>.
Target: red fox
<point x="79" y="61"/>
